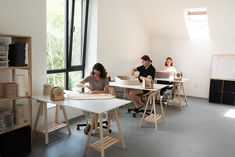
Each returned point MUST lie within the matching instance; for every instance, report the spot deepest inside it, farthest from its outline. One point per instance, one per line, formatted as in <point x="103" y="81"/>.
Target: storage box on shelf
<point x="16" y="86"/>
<point x="3" y="55"/>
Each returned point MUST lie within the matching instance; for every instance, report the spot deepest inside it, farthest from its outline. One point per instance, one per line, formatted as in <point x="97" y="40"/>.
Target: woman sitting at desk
<point x="168" y="67"/>
<point x="98" y="83"/>
<point x="146" y="70"/>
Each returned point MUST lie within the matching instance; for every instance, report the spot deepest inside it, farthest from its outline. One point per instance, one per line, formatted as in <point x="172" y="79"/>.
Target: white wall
<point x="28" y="17"/>
<point x="193" y="58"/>
<point x="122" y="38"/>
<point x="91" y="56"/>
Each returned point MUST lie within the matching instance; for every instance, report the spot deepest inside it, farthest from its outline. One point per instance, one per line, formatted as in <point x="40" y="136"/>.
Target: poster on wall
<point x="223" y="67"/>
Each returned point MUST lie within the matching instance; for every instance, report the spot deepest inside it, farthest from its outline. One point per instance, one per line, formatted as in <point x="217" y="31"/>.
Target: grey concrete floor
<point x="199" y="130"/>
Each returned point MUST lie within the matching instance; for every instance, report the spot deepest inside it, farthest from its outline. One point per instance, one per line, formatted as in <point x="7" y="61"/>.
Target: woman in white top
<point x="169" y="66"/>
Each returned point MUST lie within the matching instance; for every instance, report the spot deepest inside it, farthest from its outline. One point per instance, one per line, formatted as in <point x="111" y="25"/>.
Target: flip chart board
<point x="223" y="67"/>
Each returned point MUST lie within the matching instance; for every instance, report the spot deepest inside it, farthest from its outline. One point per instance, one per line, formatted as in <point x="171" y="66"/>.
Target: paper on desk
<point x="89" y="96"/>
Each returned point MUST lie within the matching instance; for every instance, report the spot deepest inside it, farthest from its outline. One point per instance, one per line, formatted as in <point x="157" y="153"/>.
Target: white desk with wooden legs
<point x="42" y="111"/>
<point x="97" y="107"/>
<point x="154" y="117"/>
<point x="178" y="86"/>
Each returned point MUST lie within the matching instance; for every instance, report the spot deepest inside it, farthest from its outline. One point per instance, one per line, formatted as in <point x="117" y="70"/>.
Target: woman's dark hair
<point x="99" y="67"/>
<point x="146" y="58"/>
<point x="169" y="59"/>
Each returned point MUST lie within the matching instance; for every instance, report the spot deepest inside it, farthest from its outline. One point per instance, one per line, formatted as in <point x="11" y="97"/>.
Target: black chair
<point x="168" y="92"/>
<point x="85" y="124"/>
<point x="135" y="111"/>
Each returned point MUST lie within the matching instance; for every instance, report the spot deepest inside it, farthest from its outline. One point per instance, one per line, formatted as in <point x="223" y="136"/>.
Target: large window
<point x="66" y="41"/>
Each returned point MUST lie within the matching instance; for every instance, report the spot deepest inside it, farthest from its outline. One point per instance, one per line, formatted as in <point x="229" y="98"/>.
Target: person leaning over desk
<point x="97" y="83"/>
<point x="146" y="70"/>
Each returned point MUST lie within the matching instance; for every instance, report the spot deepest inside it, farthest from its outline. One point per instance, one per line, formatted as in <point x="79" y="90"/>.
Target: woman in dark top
<point x="146" y="70"/>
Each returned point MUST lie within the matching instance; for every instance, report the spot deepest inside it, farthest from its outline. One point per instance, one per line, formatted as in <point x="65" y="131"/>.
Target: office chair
<point x="167" y="93"/>
<point x="144" y="97"/>
<point x="85" y="124"/>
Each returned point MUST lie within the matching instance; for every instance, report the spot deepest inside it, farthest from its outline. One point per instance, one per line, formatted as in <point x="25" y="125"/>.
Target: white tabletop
<point x="156" y="87"/>
<point x="96" y="106"/>
<point x="171" y="79"/>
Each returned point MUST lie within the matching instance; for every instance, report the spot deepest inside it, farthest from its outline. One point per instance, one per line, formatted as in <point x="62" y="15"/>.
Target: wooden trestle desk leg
<point x="89" y="136"/>
<point x="100" y="146"/>
<point x="185" y="98"/>
<point x="42" y="106"/>
<point x="38" y="113"/>
<point x="116" y="117"/>
<point x="101" y="136"/>
<point x="111" y="90"/>
<point x="66" y="119"/>
<point x="154" y="111"/>
<point x="57" y="108"/>
<point x="162" y="109"/>
<point x="153" y="117"/>
<point x="45" y="122"/>
<point x="43" y="109"/>
<point x="177" y="85"/>
<point x="145" y="109"/>
<point x="109" y="122"/>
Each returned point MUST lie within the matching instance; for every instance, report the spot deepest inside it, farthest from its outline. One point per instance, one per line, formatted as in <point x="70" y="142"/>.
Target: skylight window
<point x="197" y="23"/>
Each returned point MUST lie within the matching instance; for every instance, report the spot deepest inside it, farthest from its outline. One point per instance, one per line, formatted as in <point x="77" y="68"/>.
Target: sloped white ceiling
<point x="165" y="18"/>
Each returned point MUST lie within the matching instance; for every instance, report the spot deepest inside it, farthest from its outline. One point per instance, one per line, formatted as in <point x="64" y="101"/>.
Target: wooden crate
<point x="9" y="89"/>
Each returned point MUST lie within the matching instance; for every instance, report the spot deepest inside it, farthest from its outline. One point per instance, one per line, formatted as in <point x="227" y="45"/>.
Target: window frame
<point x="193" y="25"/>
<point x="69" y="42"/>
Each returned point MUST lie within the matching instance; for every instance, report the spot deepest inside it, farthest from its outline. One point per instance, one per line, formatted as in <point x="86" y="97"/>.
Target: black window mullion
<point x="66" y="43"/>
<point x="71" y="35"/>
<point x="85" y="36"/>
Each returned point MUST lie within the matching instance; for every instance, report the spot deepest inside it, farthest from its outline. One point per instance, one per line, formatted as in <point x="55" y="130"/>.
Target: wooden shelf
<point x="13" y="98"/>
<point x="12" y="68"/>
<point x="108" y="141"/>
<point x="151" y="118"/>
<point x="15" y="126"/>
<point x="52" y="127"/>
<point x="10" y="73"/>
<point x="175" y="102"/>
<point x="13" y="36"/>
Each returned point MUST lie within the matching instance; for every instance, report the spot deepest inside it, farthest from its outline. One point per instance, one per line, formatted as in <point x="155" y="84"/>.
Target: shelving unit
<point x="9" y="74"/>
<point x="222" y="91"/>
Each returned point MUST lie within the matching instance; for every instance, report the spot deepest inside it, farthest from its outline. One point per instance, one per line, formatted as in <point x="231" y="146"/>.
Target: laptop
<point x="162" y="74"/>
